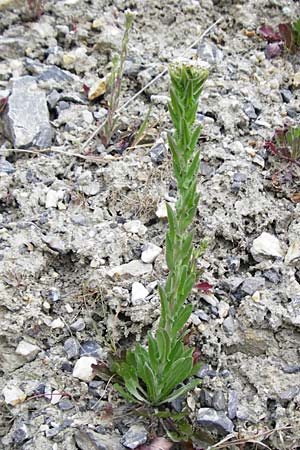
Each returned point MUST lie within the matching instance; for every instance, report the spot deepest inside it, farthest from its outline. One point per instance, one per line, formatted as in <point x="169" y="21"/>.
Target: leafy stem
<point x="153" y="375"/>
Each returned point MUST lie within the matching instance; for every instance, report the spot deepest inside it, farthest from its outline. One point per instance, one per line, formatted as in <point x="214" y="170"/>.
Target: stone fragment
<point x="57" y="324"/>
<point x="135" y="227"/>
<point x="249" y="110"/>
<point x="150" y="253"/>
<point x="13" y="395"/>
<point x="232" y="403"/>
<point x="293" y="253"/>
<point x="228" y="325"/>
<point x="209" y="53"/>
<point x="134" y="437"/>
<point x="266" y="245"/>
<point x="54" y="243"/>
<point x="71" y="348"/>
<point x="90" y="348"/>
<point x="134" y="268"/>
<point x="205" y="398"/>
<point x="83" y="368"/>
<point x="6" y="166"/>
<point x="97" y="89"/>
<point x="161" y="211"/>
<point x="296" y="79"/>
<point x="218" y="401"/>
<point x="90" y="440"/>
<point x="26" y="118"/>
<point x="78" y="325"/>
<point x="27" y="350"/>
<point x="138" y="293"/>
<point x="21" y="433"/>
<point x="65" y="404"/>
<point x="272" y="275"/>
<point x="53" y="197"/>
<point x="252" y="284"/>
<point x="54" y="294"/>
<point x="215" y="421"/>
<point x="157" y="153"/>
<point x="286" y="95"/>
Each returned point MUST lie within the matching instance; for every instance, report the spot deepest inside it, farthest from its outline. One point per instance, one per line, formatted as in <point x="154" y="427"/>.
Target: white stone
<point x="134" y="268"/>
<point x="223" y="309"/>
<point x="28" y="350"/>
<point x="138" y="293"/>
<point x="150" y="253"/>
<point x="53" y="197"/>
<point x="83" y="368"/>
<point x="57" y="323"/>
<point x="135" y="227"/>
<point x="266" y="245"/>
<point x="293" y="253"/>
<point x="13" y="395"/>
<point x="55" y="397"/>
<point x="161" y="211"/>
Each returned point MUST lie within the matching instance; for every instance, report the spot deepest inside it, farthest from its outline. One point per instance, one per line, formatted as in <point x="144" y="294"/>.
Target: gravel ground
<point x="82" y="226"/>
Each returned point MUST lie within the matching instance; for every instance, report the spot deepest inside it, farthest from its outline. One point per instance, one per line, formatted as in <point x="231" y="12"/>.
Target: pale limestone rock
<point x="83" y="368"/>
<point x="150" y="253"/>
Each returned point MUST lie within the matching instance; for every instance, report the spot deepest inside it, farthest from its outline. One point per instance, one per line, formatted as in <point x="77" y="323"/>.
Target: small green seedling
<point x="114" y="86"/>
<point x="154" y="375"/>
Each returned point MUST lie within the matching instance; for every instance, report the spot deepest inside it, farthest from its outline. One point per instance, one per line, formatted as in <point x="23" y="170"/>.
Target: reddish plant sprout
<point x="196" y="355"/>
<point x="287" y="36"/>
<point x="3" y="103"/>
<point x="203" y="286"/>
<point x="285" y="144"/>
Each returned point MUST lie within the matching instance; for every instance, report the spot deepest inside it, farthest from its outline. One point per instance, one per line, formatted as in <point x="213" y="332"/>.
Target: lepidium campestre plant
<point x="151" y="375"/>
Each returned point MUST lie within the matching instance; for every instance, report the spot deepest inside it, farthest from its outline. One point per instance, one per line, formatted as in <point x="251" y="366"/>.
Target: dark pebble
<point x="286" y="95"/>
<point x="272" y="275"/>
<point x="157" y="153"/>
<point x="71" y="348"/>
<point x="218" y="401"/>
<point x="67" y="367"/>
<point x="90" y="348"/>
<point x="205" y="398"/>
<point x="65" y="404"/>
<point x="21" y="434"/>
<point x="249" y="110"/>
<point x="232" y="403"/>
<point x="291" y="369"/>
<point x="6" y="167"/>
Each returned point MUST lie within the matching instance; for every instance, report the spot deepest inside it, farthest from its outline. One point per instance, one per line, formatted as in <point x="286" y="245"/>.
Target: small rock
<point x="90" y="348"/>
<point x="65" y="404"/>
<point x="134" y="269"/>
<point x="249" y="110"/>
<point x="6" y="167"/>
<point x="83" y="368"/>
<point x="26" y="118"/>
<point x="286" y="95"/>
<point x="57" y="323"/>
<point x="296" y="79"/>
<point x="135" y="436"/>
<point x="215" y="421"/>
<point x="205" y="398"/>
<point x="228" y="325"/>
<point x="88" y="440"/>
<point x="291" y="369"/>
<point x="79" y="325"/>
<point x="138" y="293"/>
<point x="54" y="294"/>
<point x="71" y="348"/>
<point x="218" y="401"/>
<point x="55" y="397"/>
<point x="161" y="211"/>
<point x="293" y="253"/>
<point x="91" y="189"/>
<point x="135" y="227"/>
<point x="21" y="433"/>
<point x="13" y="395"/>
<point x="223" y="309"/>
<point x="97" y="89"/>
<point x="272" y="275"/>
<point x="266" y="245"/>
<point x="53" y="98"/>
<point x="209" y="53"/>
<point x="157" y="153"/>
<point x="202" y="315"/>
<point x="232" y="403"/>
<point x="54" y="243"/>
<point x="253" y="284"/>
<point x="150" y="253"/>
<point x="28" y="350"/>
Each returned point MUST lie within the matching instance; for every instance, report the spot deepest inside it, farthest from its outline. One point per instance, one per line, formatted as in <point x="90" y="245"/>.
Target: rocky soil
<point x="82" y="227"/>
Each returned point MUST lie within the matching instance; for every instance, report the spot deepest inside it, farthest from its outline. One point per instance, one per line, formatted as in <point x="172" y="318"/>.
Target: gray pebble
<point x="209" y="53"/>
<point x="71" y="347"/>
<point x="215" y="421"/>
<point x="286" y="95"/>
<point x="65" y="404"/>
<point x="289" y="394"/>
<point x="6" y="167"/>
<point x="253" y="284"/>
<point x="90" y="348"/>
<point x="157" y="153"/>
<point x="202" y="315"/>
<point x="54" y="294"/>
<point x="205" y="398"/>
<point x="79" y="325"/>
<point x="249" y="110"/>
<point x="232" y="403"/>
<point x="21" y="434"/>
<point x="228" y="325"/>
<point x="272" y="275"/>
<point x="291" y="369"/>
<point x="218" y="401"/>
<point x="135" y="436"/>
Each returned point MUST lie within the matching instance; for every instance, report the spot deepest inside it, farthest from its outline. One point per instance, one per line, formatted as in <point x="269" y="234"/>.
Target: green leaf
<point x="169" y="252"/>
<point x="181" y="391"/>
<point x="165" y="310"/>
<point x="163" y="344"/>
<point x="125" y="394"/>
<point x="177" y="373"/>
<point x="153" y="352"/>
<point x="194" y="167"/>
<point x="172" y="221"/>
<point x="181" y="319"/>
